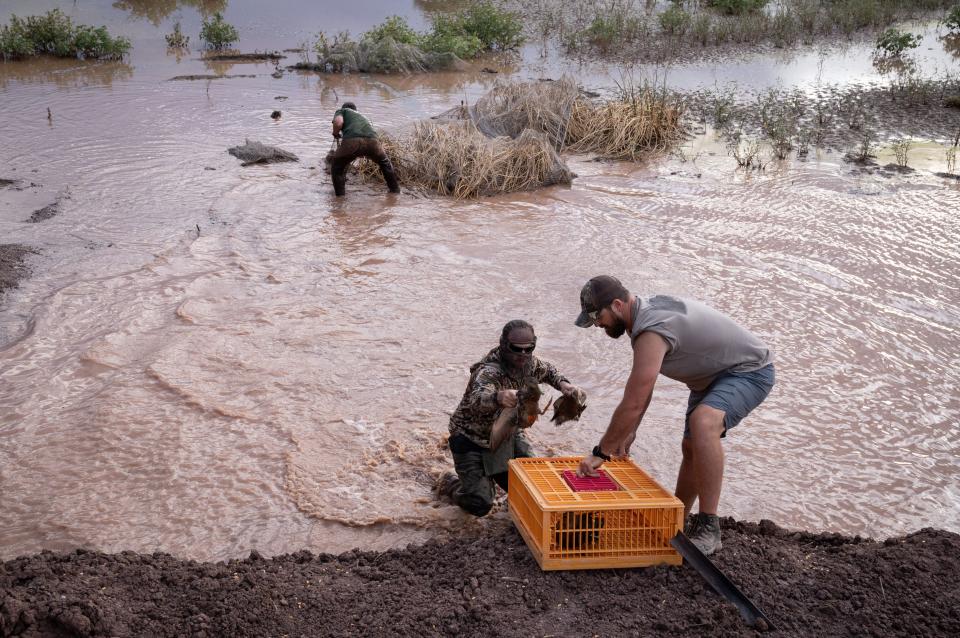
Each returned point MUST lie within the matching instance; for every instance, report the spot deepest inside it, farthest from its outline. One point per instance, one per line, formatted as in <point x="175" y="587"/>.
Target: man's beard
<point x="519" y="364"/>
<point x="616" y="331"/>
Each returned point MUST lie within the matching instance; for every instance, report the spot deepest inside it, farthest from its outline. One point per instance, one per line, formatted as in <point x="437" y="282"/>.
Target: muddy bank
<point x="808" y="584"/>
<point x="12" y="266"/>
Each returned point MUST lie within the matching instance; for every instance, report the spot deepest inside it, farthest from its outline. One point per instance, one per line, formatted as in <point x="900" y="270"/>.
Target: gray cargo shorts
<point x="736" y="393"/>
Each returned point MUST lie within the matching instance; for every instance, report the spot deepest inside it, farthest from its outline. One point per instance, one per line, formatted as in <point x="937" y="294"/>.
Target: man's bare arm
<point x="337" y="125"/>
<point x="648" y="352"/>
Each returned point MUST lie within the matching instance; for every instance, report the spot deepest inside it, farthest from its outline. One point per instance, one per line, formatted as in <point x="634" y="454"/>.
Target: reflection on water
<point x="63" y="73"/>
<point x="156" y="11"/>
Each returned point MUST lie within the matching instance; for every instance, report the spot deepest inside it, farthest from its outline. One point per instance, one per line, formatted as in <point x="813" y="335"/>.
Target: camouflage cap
<point x="597" y="294"/>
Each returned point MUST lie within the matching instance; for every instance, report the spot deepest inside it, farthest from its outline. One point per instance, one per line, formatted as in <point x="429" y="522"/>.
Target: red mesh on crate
<point x="602" y="483"/>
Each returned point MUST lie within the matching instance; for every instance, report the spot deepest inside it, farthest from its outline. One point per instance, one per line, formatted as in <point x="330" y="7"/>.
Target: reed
<point x="641" y="122"/>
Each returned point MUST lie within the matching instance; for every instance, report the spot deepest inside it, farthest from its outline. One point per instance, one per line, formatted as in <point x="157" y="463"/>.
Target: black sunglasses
<point x="521" y="349"/>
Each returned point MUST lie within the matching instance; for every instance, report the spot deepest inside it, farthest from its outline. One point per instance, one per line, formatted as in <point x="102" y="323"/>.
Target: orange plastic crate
<point x="629" y="527"/>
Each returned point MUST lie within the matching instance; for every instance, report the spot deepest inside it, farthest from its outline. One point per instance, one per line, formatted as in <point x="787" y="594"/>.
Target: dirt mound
<point x="808" y="584"/>
<point x="12" y="268"/>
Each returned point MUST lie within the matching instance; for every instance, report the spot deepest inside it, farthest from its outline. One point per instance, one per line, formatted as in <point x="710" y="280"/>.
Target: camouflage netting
<point x="510" y="108"/>
<point x="511" y="138"/>
<point x="258" y="153"/>
<point x="385" y="56"/>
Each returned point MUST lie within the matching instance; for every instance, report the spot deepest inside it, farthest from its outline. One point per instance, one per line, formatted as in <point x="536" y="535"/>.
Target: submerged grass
<point x="630" y="29"/>
<point x="853" y="119"/>
<point x="510" y="140"/>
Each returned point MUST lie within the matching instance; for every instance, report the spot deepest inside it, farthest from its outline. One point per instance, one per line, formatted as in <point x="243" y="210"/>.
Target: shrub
<point x="850" y="15"/>
<point x="496" y="28"/>
<point x="786" y="29"/>
<point x="393" y="27"/>
<point x="893" y="42"/>
<point x="14" y="45"/>
<point x="177" y="40"/>
<point x="701" y="29"/>
<point x="448" y="37"/>
<point x="217" y="33"/>
<point x="50" y="33"/>
<point x="952" y="21"/>
<point x="901" y="149"/>
<point x="675" y="20"/>
<point x="55" y="34"/>
<point x="607" y="31"/>
<point x="394" y="46"/>
<point x="90" y="42"/>
<point x="737" y="7"/>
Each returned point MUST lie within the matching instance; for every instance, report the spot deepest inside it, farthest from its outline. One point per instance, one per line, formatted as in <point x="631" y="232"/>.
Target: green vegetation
<point x="901" y="149"/>
<point x="448" y="37"/>
<point x="177" y="40"/>
<point x="55" y="34"/>
<point x="217" y="33"/>
<point x="607" y="32"/>
<point x="675" y="21"/>
<point x="393" y="46"/>
<point x="497" y="29"/>
<point x="894" y="42"/>
<point x="952" y="21"/>
<point x="394" y="27"/>
<point x="737" y="7"/>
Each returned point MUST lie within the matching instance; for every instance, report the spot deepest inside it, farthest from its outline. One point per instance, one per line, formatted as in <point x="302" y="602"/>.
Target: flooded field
<point x="209" y="358"/>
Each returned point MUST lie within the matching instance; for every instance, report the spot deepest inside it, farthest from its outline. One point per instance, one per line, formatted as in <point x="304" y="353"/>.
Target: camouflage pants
<point x="476" y="490"/>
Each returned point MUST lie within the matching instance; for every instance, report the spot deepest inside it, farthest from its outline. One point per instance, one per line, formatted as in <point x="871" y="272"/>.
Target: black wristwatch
<point x="597" y="452"/>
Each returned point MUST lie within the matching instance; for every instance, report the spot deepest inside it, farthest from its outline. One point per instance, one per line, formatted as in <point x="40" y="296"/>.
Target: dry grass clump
<point x="455" y="158"/>
<point x="512" y="139"/>
<point x="639" y="123"/>
<point x="641" y="120"/>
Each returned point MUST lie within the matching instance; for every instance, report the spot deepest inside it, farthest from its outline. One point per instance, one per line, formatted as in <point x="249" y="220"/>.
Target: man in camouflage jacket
<point x="492" y="399"/>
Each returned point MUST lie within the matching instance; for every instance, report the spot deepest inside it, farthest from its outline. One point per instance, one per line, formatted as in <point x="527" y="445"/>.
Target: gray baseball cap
<point x="597" y="294"/>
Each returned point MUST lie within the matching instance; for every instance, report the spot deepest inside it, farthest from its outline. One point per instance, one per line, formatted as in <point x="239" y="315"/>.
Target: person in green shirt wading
<point x="358" y="140"/>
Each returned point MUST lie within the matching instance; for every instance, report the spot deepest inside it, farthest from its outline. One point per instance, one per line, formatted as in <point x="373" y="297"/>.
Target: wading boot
<point x="447" y="485"/>
<point x="705" y="533"/>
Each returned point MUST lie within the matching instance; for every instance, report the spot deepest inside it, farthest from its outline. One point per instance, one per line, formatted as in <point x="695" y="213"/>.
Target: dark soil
<point x="808" y="585"/>
<point x="244" y="57"/>
<point x="47" y="212"/>
<point x="209" y="77"/>
<point x="12" y="266"/>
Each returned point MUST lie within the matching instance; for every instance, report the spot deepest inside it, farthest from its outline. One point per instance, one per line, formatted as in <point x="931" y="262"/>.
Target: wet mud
<point x="47" y="212"/>
<point x="12" y="265"/>
<point x="807" y="584"/>
<point x="244" y="57"/>
<point x="208" y="76"/>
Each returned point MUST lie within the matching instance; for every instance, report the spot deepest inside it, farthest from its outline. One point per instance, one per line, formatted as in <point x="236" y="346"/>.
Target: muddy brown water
<point x="282" y="378"/>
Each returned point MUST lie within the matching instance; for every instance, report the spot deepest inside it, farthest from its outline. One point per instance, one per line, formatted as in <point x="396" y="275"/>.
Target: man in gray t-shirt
<point x="728" y="369"/>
